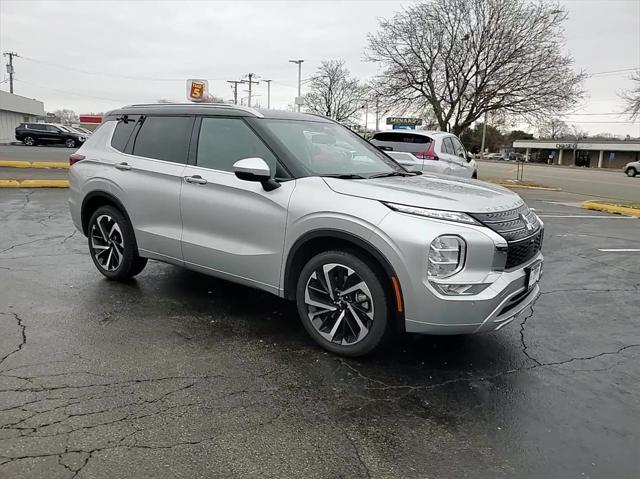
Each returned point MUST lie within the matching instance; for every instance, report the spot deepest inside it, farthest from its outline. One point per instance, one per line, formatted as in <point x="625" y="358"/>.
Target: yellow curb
<point x="34" y="183"/>
<point x="49" y="164"/>
<point x="15" y="163"/>
<point x="9" y="184"/>
<point x="525" y="187"/>
<point x="618" y="210"/>
<point x="33" y="164"/>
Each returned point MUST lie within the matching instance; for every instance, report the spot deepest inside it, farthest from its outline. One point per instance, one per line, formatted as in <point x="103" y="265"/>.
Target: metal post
<point x="366" y="117"/>
<point x="600" y="158"/>
<point x="377" y="113"/>
<point x="268" y="82"/>
<point x="299" y="62"/>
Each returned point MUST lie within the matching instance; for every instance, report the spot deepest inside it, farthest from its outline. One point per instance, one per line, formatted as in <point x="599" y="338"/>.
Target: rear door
<point x="231" y="227"/>
<point x="148" y="174"/>
<point x="460" y="164"/>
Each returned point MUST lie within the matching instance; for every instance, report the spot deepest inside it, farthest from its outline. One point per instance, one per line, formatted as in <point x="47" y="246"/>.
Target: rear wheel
<point x="29" y="141"/>
<point x="631" y="172"/>
<point x="70" y="143"/>
<point x="112" y="244"/>
<point x="342" y="303"/>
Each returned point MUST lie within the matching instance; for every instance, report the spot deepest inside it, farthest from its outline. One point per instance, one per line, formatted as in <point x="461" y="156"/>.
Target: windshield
<point x="329" y="149"/>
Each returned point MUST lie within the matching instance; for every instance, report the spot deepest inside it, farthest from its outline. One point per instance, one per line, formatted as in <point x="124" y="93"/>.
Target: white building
<point x="16" y="109"/>
<point x="594" y="153"/>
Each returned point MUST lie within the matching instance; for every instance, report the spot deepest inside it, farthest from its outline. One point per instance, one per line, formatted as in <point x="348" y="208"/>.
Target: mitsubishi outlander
<point x="302" y="207"/>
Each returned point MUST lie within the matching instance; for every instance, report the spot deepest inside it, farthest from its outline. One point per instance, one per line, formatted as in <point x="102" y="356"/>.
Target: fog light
<point x="460" y="289"/>
<point x="446" y="256"/>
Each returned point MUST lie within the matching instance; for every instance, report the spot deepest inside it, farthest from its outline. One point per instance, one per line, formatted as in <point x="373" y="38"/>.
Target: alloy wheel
<point x="29" y="141"/>
<point x="339" y="304"/>
<point x="107" y="242"/>
<point x="70" y="143"/>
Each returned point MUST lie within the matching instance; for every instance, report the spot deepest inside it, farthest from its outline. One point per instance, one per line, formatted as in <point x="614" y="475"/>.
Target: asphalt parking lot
<point x="177" y="374"/>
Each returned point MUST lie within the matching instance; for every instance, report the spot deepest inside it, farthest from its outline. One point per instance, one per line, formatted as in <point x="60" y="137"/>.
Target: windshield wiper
<point x="392" y="173"/>
<point x="345" y="176"/>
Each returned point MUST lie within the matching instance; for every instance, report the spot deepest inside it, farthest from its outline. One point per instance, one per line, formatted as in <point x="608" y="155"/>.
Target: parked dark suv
<point x="46" y="133"/>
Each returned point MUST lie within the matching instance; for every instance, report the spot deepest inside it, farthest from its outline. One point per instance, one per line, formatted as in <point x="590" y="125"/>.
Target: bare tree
<point x="334" y="93"/>
<point x="67" y="117"/>
<point x="631" y="97"/>
<point x="463" y="58"/>
<point x="553" y="129"/>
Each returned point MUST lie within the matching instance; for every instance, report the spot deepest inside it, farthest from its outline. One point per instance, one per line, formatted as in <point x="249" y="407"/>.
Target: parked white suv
<point x="301" y="207"/>
<point x="632" y="168"/>
<point x="428" y="151"/>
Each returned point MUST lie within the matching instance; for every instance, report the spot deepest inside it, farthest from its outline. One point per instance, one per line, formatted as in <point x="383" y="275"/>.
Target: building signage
<point x="392" y="120"/>
<point x="566" y="146"/>
<point x="95" y="119"/>
<point x="197" y="90"/>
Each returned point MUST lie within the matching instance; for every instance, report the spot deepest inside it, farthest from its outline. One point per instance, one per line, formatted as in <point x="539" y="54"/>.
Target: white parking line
<point x="589" y="216"/>
<point x="620" y="250"/>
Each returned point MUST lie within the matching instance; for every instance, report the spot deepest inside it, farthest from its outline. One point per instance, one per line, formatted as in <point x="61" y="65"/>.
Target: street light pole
<point x="268" y="82"/>
<point x="299" y="62"/>
<point x="484" y="134"/>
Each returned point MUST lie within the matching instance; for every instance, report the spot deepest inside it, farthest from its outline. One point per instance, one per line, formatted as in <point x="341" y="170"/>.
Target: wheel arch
<point x="314" y="242"/>
<point x="93" y="201"/>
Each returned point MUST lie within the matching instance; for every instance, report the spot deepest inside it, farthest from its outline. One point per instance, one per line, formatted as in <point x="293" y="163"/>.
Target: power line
<point x="72" y="93"/>
<point x="622" y="70"/>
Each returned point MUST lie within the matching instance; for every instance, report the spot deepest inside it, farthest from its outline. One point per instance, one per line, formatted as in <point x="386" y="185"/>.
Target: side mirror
<point x="469" y="157"/>
<point x="255" y="169"/>
<point x="384" y="148"/>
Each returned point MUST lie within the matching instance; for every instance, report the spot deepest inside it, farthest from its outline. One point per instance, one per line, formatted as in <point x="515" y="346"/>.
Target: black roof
<point x="225" y="109"/>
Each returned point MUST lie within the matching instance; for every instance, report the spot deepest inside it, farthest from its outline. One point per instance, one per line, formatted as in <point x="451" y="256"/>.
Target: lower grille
<point x="520" y="252"/>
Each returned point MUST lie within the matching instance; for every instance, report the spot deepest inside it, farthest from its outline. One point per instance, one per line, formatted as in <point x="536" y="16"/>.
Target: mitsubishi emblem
<point x="528" y="224"/>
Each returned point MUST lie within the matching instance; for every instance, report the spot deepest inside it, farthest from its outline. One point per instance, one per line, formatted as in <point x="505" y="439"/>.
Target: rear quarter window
<point x="123" y="131"/>
<point x="402" y="138"/>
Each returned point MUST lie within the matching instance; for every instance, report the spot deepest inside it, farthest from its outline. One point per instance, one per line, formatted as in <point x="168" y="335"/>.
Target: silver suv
<point x="301" y="207"/>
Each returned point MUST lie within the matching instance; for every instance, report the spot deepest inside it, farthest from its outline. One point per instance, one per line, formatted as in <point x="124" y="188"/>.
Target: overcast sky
<point x="93" y="56"/>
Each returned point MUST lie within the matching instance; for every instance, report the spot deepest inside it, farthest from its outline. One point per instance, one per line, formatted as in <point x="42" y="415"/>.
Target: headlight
<point x="446" y="256"/>
<point x="435" y="214"/>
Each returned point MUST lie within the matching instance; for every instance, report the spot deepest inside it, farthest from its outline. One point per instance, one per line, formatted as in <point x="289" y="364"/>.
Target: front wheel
<point x="113" y="246"/>
<point x="631" y="172"/>
<point x="70" y="143"/>
<point x="342" y="303"/>
<point x="29" y="141"/>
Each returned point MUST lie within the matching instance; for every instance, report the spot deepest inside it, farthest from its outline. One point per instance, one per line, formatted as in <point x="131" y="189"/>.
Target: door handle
<point x="195" y="179"/>
<point x="123" y="166"/>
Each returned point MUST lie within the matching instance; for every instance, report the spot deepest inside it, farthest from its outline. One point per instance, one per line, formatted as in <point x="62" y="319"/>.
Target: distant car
<point x="81" y="130"/>
<point x="494" y="156"/>
<point x="632" y="169"/>
<point x="431" y="151"/>
<point x="32" y="134"/>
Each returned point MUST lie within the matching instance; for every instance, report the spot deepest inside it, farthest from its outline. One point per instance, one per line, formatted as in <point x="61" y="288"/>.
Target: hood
<point x="431" y="191"/>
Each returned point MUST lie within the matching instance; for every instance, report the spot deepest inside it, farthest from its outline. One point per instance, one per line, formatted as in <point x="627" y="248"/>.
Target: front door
<point x="233" y="228"/>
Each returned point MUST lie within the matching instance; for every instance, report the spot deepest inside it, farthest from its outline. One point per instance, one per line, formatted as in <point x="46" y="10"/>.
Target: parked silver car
<point x="301" y="207"/>
<point x="431" y="151"/>
<point x="632" y="168"/>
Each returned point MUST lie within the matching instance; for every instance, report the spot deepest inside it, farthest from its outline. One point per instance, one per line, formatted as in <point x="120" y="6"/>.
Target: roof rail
<point x="231" y="106"/>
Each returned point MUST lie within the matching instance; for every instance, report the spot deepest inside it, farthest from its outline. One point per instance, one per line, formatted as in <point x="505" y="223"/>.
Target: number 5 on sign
<point x="196" y="90"/>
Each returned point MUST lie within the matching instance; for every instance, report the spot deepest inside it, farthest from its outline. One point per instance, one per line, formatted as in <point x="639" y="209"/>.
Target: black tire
<point x="631" y="172"/>
<point x="105" y="252"/>
<point x="377" y="327"/>
<point x="29" y="141"/>
<point x="70" y="143"/>
<point x="474" y="175"/>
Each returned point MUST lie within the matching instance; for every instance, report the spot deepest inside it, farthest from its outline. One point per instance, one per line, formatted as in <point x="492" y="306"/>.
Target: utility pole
<point x="268" y="82"/>
<point x="299" y="62"/>
<point x="484" y="134"/>
<point x="377" y="112"/>
<point x="366" y="117"/>
<point x="235" y="89"/>
<point x="10" y="70"/>
<point x="250" y="82"/>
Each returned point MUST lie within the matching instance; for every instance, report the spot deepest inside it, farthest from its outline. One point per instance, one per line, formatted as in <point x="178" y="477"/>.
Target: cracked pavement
<point x="177" y="374"/>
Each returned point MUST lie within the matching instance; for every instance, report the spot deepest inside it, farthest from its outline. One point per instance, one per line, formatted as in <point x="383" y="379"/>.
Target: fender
<point x="100" y="194"/>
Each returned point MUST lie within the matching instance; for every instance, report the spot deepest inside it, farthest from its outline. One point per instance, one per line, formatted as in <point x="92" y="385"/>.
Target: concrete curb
<point x="33" y="164"/>
<point x="614" y="209"/>
<point x="34" y="183"/>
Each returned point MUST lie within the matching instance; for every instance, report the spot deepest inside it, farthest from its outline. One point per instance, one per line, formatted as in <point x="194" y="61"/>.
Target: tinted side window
<point x="448" y="146"/>
<point x="52" y="129"/>
<point x="164" y="138"/>
<point x="123" y="132"/>
<point x="223" y="141"/>
<point x="402" y="138"/>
